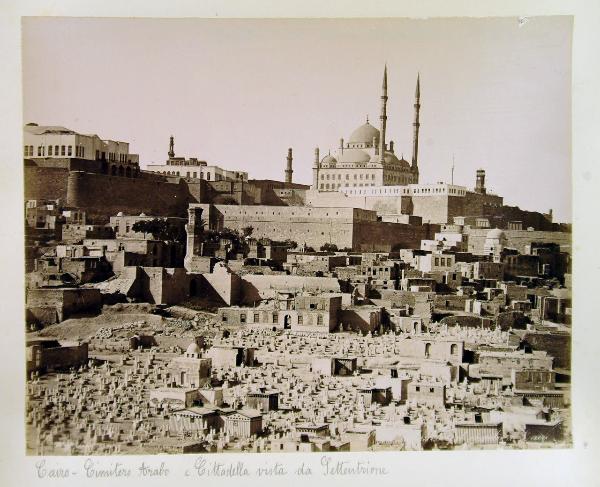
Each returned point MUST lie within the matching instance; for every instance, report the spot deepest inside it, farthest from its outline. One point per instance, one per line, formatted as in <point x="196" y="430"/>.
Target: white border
<point x="576" y="466"/>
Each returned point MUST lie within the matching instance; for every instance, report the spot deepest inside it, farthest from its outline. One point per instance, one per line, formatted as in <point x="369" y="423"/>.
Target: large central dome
<point x="364" y="134"/>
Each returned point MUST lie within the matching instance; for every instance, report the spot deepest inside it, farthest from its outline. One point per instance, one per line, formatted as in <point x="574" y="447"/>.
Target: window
<point x="195" y="174"/>
<point x="256" y="318"/>
<point x="224" y="318"/>
<point x="319" y="320"/>
<point x="300" y="319"/>
<point x="242" y="318"/>
<point x="39" y="150"/>
<point x="275" y="318"/>
<point x="49" y="150"/>
<point x="431" y="390"/>
<point x="418" y="389"/>
<point x="62" y="150"/>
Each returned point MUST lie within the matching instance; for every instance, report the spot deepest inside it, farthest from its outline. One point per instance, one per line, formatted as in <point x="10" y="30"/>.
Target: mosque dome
<point x="193" y="349"/>
<point x="329" y="159"/>
<point x="364" y="134"/>
<point x="354" y="155"/>
<point x="404" y="163"/>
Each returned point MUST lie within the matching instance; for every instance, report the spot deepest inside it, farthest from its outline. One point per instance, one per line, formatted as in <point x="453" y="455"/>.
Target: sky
<point x="495" y="92"/>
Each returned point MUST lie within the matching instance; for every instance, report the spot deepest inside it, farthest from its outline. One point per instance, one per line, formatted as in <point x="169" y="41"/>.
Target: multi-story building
<point x="194" y="168"/>
<point x="54" y="142"/>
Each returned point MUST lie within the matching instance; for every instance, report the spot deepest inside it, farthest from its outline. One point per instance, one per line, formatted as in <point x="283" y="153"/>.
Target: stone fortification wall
<point x="45" y="183"/>
<point x="384" y="237"/>
<point x="346" y="227"/>
<point x="518" y="239"/>
<point x="101" y="195"/>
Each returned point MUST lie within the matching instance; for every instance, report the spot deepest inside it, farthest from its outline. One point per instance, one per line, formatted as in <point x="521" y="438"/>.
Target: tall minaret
<point x="171" y="148"/>
<point x="288" y="169"/>
<point x="315" y="168"/>
<point x="383" y="116"/>
<point x="416" y="125"/>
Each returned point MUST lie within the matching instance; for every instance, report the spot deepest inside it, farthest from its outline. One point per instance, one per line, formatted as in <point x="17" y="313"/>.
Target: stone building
<point x="425" y="392"/>
<point x="352" y="228"/>
<point x="194" y="168"/>
<point x="263" y="400"/>
<point x="44" y="355"/>
<point x="478" y="433"/>
<point x="314" y="314"/>
<point x="47" y="306"/>
<point x="191" y="370"/>
<point x="243" y="423"/>
<point x="55" y="142"/>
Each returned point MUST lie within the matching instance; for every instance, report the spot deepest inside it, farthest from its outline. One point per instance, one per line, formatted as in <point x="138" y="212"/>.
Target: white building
<point x="41" y="141"/>
<point x="194" y="168"/>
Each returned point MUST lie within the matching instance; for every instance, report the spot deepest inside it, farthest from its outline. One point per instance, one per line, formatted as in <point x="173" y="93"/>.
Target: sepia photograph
<point x="297" y="235"/>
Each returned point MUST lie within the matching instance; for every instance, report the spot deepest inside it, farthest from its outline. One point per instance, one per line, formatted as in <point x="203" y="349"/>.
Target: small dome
<point x="142" y="214"/>
<point x="120" y="213"/>
<point x="328" y="159"/>
<point x="364" y="134"/>
<point x="193" y="349"/>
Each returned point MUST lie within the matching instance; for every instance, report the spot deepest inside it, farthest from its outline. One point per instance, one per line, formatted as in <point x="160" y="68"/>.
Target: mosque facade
<point x="366" y="159"/>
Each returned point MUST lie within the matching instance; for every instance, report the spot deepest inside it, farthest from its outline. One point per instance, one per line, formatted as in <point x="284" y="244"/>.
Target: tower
<point x="480" y="181"/>
<point x="171" y="147"/>
<point x="288" y="169"/>
<point x="416" y="125"/>
<point x="194" y="230"/>
<point x="383" y="116"/>
<point x="315" y="184"/>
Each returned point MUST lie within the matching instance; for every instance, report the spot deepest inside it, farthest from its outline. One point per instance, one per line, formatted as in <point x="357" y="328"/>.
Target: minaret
<point x="416" y="125"/>
<point x="288" y="169"/>
<point x="171" y="148"/>
<point x="315" y="184"/>
<point x="383" y="116"/>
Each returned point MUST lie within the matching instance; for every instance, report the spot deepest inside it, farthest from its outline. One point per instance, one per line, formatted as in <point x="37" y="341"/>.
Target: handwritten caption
<point x="325" y="466"/>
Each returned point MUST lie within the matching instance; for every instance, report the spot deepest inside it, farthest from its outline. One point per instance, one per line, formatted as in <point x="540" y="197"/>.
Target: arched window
<point x="454" y="349"/>
<point x="121" y="171"/>
<point x="427" y="350"/>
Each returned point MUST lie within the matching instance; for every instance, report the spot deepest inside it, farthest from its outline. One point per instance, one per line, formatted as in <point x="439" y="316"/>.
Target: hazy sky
<point x="238" y="93"/>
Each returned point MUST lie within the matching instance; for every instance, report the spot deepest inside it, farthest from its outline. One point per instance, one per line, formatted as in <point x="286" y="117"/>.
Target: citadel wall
<point x="517" y="239"/>
<point x="101" y="195"/>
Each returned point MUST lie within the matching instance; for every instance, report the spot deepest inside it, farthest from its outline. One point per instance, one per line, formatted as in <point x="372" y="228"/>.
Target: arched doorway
<point x="287" y="322"/>
<point x="113" y="170"/>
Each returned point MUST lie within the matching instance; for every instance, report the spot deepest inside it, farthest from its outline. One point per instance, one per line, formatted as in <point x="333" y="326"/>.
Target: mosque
<point x="366" y="159"/>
